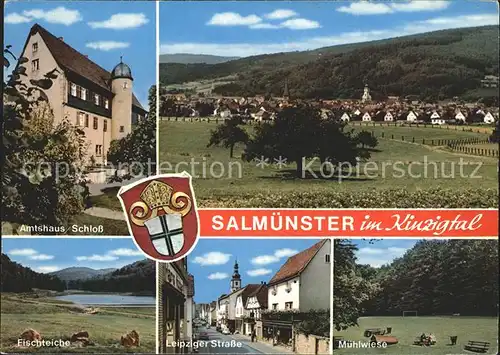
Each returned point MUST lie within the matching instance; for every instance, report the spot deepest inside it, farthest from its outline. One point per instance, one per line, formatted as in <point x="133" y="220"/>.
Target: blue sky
<point x="381" y="252"/>
<point x="212" y="262"/>
<point x="103" y="30"/>
<point x="246" y="28"/>
<point x="52" y="254"/>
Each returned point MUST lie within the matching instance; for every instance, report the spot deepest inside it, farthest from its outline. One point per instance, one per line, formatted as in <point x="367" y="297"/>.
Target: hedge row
<point x="394" y="198"/>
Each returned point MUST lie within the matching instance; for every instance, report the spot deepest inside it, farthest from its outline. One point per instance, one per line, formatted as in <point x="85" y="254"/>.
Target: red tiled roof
<point x="296" y="264"/>
<point x="70" y="59"/>
<point x="248" y="290"/>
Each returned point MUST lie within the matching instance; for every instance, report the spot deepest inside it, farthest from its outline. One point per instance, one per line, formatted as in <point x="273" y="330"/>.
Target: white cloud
<point x="259" y="272"/>
<point x="96" y="257"/>
<point x="264" y="26"/>
<point x="285" y="252"/>
<point x="300" y="24"/>
<point x="310" y="43"/>
<point x="280" y="14"/>
<point x="59" y="15"/>
<point x="265" y="259"/>
<point x="366" y="8"/>
<point x="107" y="45"/>
<point x="372" y="8"/>
<point x="212" y="258"/>
<point x="269" y="259"/>
<point x="376" y="257"/>
<point x="125" y="252"/>
<point x="23" y="252"/>
<point x="218" y="276"/>
<point x="47" y="269"/>
<point x="15" y="19"/>
<point x="421" y="5"/>
<point x="233" y="19"/>
<point x="41" y="257"/>
<point x="121" y="21"/>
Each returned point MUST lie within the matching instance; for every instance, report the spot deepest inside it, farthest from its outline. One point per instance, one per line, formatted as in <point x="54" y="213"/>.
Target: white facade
<point x="435" y="115"/>
<point x="411" y="116"/>
<point x="309" y="290"/>
<point x="285" y="295"/>
<point x="240" y="310"/>
<point x="231" y="308"/>
<point x="438" y="121"/>
<point x="357" y="112"/>
<point x="488" y="118"/>
<point x="345" y="117"/>
<point x="460" y="116"/>
<point x="188" y="317"/>
<point x="367" y="117"/>
<point x="254" y="306"/>
<point x="388" y="117"/>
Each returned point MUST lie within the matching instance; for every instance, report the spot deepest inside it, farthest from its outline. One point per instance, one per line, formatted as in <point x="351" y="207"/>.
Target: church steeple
<point x="236" y="279"/>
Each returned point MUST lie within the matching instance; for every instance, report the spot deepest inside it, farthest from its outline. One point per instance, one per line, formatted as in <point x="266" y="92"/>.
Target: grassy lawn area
<point x="408" y="328"/>
<point x="54" y="322"/>
<point x="183" y="147"/>
<point x="490" y="146"/>
<point x="108" y="199"/>
<point x="454" y="129"/>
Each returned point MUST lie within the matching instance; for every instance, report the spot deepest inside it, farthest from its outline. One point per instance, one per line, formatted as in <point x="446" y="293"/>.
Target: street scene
<point x="248" y="297"/>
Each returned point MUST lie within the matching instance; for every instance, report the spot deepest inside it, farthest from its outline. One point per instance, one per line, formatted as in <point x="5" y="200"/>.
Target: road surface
<point x="219" y="343"/>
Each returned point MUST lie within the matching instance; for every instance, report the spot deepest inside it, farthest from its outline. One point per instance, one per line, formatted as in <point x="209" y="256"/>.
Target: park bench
<point x="477" y="346"/>
<point x="373" y="331"/>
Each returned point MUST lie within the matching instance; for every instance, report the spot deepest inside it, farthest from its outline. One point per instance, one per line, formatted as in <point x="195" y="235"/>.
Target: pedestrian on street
<point x="253" y="335"/>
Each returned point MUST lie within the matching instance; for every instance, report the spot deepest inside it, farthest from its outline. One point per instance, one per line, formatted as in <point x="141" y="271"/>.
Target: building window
<point x="98" y="150"/>
<point x="122" y="129"/>
<point x="78" y="91"/>
<point x="35" y="65"/>
<point x="73" y="89"/>
<point x="288" y="305"/>
<point x="106" y="103"/>
<point x="96" y="123"/>
<point x="86" y="120"/>
<point x="105" y="126"/>
<point x="275" y="306"/>
<point x="34" y="47"/>
<point x="125" y="85"/>
<point x="84" y="94"/>
<point x="96" y="99"/>
<point x="80" y="117"/>
<point x="327" y="258"/>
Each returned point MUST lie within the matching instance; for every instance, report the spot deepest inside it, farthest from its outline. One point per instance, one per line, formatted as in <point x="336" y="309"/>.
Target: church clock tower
<point x="236" y="279"/>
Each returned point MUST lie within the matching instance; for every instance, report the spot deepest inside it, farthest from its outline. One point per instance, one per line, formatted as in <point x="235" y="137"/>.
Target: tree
<point x="299" y="133"/>
<point x="44" y="160"/>
<point x="366" y="139"/>
<point x="227" y="135"/>
<point x="495" y="135"/>
<point x="137" y="150"/>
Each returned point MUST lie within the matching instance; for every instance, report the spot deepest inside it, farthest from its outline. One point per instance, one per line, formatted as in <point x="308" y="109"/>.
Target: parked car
<point x="218" y="328"/>
<point x="203" y="336"/>
<point x="226" y="331"/>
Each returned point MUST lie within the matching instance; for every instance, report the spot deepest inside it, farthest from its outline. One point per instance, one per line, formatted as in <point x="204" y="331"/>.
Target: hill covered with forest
<point x="434" y="65"/>
<point x="18" y="278"/>
<point x="80" y="273"/>
<point x="137" y="277"/>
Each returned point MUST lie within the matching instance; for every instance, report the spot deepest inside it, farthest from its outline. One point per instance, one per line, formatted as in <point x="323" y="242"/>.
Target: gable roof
<point x="261" y="294"/>
<point x="69" y="59"/>
<point x="296" y="264"/>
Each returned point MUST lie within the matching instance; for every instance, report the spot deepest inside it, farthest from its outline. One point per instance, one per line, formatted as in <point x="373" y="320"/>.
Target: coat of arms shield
<point x="161" y="215"/>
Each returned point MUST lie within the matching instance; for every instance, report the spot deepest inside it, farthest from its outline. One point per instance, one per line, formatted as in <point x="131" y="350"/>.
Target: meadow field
<point x="59" y="320"/>
<point x="406" y="329"/>
<point x="183" y="146"/>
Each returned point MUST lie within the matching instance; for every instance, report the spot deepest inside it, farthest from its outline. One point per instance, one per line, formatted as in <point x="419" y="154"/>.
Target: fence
<point x="206" y="119"/>
<point x="423" y="125"/>
<point x="476" y="151"/>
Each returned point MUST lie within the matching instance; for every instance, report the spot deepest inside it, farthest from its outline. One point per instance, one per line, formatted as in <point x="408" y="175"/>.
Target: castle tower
<point x="366" y="94"/>
<point x="121" y="109"/>
<point x="236" y="279"/>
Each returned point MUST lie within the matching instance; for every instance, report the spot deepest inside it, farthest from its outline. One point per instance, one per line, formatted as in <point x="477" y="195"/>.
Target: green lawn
<point x="60" y="322"/>
<point x="108" y="199"/>
<point x="408" y="328"/>
<point x="185" y="142"/>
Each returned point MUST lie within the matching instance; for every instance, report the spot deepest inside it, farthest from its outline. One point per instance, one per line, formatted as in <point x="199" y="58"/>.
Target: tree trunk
<point x="299" y="167"/>
<point x="231" y="149"/>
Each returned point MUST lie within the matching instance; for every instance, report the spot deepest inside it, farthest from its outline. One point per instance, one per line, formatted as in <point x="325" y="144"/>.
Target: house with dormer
<point x="302" y="282"/>
<point x="488" y="118"/>
<point x="256" y="303"/>
<point x="100" y="102"/>
<point x="241" y="313"/>
<point x="366" y="117"/>
<point x="388" y="117"/>
<point x="411" y="117"/>
<point x="345" y="117"/>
